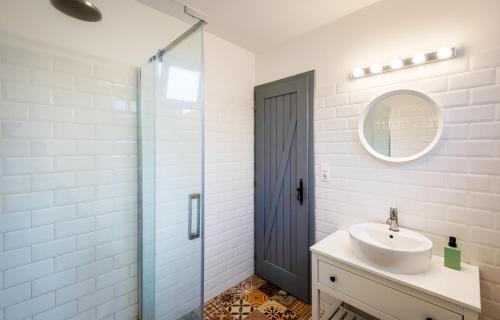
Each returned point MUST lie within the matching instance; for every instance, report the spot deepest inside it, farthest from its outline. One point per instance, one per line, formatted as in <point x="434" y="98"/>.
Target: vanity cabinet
<point x="438" y="294"/>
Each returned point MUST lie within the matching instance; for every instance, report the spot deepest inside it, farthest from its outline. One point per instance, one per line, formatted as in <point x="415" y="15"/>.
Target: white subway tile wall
<point x="229" y="224"/>
<point x="454" y="190"/>
<point x="229" y="165"/>
<point x="68" y="188"/>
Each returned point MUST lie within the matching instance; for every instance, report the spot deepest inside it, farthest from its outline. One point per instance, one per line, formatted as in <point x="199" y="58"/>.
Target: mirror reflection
<point x="401" y="124"/>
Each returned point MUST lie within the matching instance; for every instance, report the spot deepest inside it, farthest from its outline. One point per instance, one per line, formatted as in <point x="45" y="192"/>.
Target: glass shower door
<point x="171" y="161"/>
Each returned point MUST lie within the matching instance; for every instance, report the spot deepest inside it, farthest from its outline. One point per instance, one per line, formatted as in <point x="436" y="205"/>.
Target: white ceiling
<point x="261" y="24"/>
<point x="129" y="32"/>
<point x="132" y="31"/>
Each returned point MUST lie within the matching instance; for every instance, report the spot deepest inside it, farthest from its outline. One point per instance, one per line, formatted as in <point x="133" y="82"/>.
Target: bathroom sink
<point x="404" y="252"/>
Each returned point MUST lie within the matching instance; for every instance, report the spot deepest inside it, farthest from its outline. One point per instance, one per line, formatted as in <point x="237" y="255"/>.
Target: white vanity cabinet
<point x="438" y="294"/>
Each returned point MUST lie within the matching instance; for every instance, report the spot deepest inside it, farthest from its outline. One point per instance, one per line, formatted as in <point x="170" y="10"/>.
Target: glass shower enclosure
<point x="171" y="144"/>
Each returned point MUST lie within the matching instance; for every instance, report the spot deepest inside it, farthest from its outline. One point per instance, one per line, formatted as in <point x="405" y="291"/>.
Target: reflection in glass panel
<point x="401" y="125"/>
<point x="178" y="177"/>
<point x="172" y="181"/>
<point x="183" y="84"/>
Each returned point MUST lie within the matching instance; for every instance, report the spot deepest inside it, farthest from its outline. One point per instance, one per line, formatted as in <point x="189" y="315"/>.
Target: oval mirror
<point x="400" y="126"/>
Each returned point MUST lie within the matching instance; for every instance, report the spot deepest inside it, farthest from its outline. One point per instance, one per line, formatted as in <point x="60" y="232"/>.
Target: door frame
<point x="310" y="78"/>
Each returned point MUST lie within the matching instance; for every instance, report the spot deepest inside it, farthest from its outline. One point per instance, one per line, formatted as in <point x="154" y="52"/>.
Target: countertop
<point x="459" y="287"/>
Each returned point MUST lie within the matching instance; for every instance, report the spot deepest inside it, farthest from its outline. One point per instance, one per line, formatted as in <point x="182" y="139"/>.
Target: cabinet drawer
<point x="390" y="301"/>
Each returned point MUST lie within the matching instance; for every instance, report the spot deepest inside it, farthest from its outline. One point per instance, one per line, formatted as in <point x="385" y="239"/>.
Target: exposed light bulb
<point x="418" y="58"/>
<point x="376" y="68"/>
<point x="444" y="53"/>
<point x="396" y="63"/>
<point x="358" y="72"/>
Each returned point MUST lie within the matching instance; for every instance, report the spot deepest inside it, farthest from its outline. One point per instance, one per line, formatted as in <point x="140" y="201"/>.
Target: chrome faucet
<point x="393" y="219"/>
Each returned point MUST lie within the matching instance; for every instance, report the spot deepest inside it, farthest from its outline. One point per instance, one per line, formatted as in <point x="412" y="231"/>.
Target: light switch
<point x="324" y="171"/>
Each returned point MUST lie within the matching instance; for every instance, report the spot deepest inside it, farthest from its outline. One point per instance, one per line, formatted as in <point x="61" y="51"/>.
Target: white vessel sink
<point x="405" y="252"/>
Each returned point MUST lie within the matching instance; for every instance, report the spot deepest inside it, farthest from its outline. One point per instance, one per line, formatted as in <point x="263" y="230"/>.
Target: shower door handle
<point x="194" y="235"/>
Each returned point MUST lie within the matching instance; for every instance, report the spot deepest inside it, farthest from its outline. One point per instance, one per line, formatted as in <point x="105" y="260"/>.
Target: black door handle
<point x="300" y="192"/>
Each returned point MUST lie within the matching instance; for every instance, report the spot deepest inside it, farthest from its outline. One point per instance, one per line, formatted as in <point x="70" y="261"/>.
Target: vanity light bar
<point x="398" y="64"/>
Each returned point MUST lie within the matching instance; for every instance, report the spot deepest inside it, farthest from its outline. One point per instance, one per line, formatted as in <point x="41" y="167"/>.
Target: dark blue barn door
<point x="283" y="182"/>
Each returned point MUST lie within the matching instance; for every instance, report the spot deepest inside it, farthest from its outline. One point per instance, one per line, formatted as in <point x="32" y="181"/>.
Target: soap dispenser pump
<point x="452" y="254"/>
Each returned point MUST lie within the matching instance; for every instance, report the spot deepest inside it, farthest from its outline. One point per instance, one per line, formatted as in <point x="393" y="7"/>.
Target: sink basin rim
<point x="357" y="231"/>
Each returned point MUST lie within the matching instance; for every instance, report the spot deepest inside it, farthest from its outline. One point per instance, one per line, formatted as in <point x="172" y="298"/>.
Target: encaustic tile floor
<point x="256" y="299"/>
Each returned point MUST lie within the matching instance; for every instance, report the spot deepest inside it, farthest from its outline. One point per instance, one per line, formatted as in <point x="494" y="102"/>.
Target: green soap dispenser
<point x="452" y="254"/>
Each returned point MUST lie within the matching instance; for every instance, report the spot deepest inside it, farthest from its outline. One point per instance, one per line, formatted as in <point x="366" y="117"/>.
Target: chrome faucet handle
<point x="393" y="219"/>
<point x="393" y="213"/>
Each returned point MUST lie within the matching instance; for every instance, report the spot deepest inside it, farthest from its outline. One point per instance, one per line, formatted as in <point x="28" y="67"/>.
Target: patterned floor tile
<point x="290" y="315"/>
<point x="240" y="309"/>
<point x="254" y="281"/>
<point x="214" y="311"/>
<point x="273" y="310"/>
<point x="269" y="288"/>
<point x="225" y="299"/>
<point x="284" y="298"/>
<point x="255" y="297"/>
<point x="301" y="309"/>
<point x="240" y="289"/>
<point x="219" y="316"/>
<point x="256" y="315"/>
<point x="251" y="300"/>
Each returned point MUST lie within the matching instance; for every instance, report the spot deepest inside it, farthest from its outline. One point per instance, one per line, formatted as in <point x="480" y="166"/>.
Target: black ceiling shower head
<point x="78" y="9"/>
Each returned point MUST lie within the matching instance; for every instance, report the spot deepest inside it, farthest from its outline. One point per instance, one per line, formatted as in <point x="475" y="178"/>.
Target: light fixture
<point x="418" y="58"/>
<point x="444" y="53"/>
<point x="358" y="72"/>
<point x="403" y="63"/>
<point x="376" y="68"/>
<point x="78" y="9"/>
<point x="396" y="63"/>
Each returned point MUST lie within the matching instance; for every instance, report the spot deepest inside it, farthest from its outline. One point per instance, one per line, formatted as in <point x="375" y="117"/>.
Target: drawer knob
<point x="332" y="279"/>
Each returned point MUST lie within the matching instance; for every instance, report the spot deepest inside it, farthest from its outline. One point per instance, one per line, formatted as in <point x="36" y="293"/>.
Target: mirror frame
<point x="380" y="156"/>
